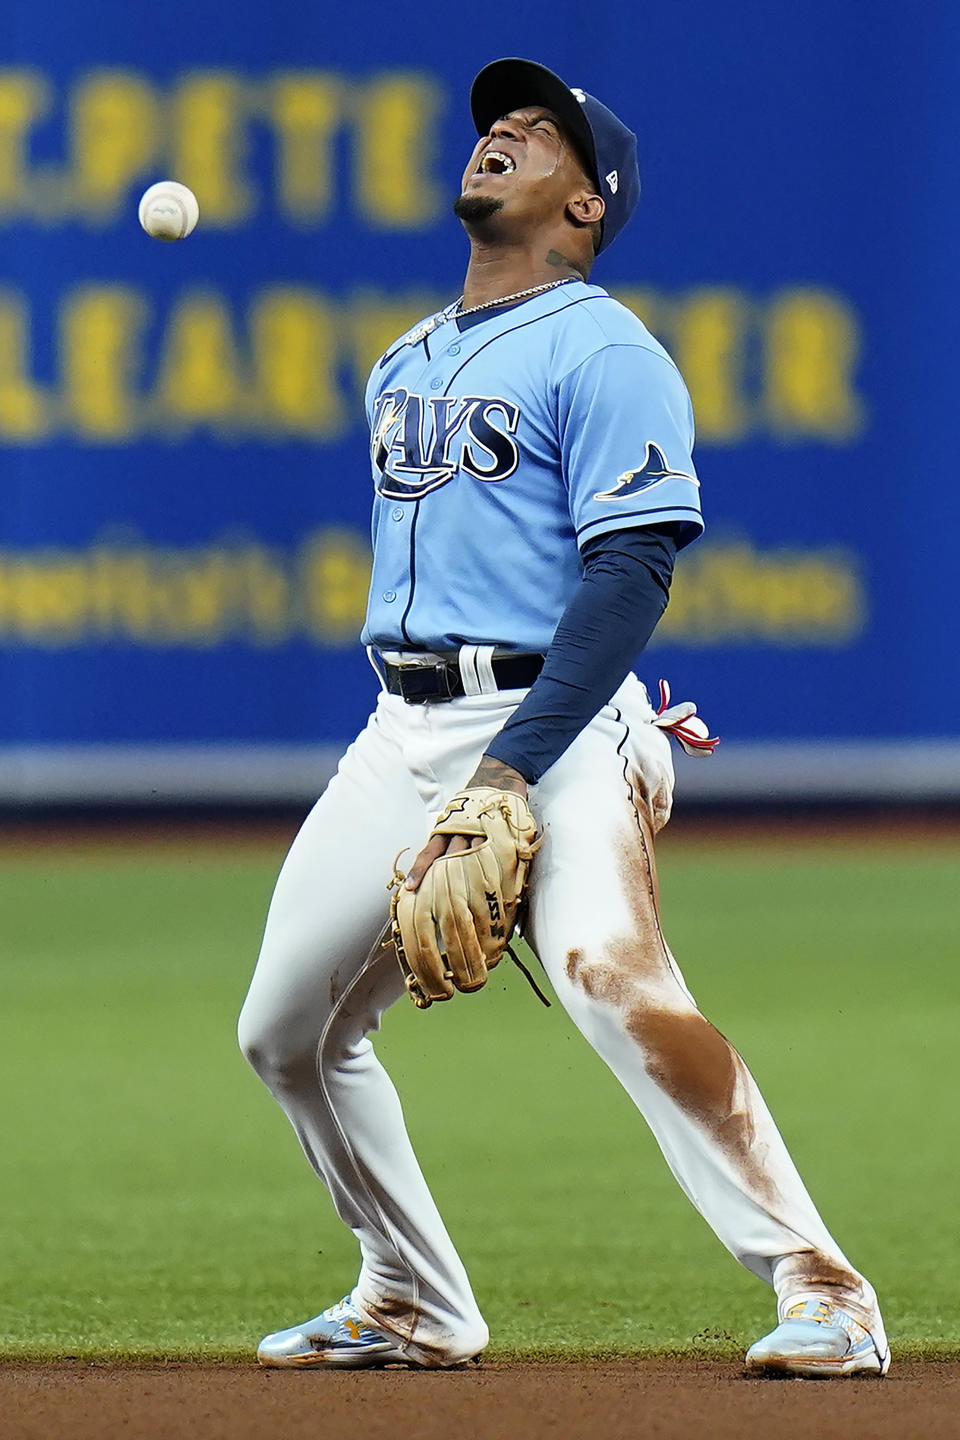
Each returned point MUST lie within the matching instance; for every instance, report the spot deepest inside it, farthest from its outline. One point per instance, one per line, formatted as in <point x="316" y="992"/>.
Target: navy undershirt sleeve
<point x="614" y="611"/>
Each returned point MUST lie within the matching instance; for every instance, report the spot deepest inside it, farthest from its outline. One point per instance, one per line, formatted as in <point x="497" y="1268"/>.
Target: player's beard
<point x="472" y="209"/>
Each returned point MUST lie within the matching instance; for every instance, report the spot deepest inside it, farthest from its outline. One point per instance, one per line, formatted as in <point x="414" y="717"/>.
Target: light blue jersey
<point x="500" y="449"/>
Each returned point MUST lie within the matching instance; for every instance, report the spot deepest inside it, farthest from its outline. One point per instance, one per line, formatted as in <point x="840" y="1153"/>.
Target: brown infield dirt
<point x="601" y="1401"/>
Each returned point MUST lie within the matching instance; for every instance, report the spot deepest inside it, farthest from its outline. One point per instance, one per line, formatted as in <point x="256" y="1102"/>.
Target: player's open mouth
<point x="494" y="162"/>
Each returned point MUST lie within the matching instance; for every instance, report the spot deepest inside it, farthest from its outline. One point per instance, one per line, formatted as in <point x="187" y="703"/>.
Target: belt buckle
<point x="423" y="684"/>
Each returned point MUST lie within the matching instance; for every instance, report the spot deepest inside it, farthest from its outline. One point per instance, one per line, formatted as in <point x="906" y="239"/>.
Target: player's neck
<point x="498" y="270"/>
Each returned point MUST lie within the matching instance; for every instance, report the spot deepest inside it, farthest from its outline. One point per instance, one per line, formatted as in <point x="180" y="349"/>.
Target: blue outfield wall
<point x="184" y="533"/>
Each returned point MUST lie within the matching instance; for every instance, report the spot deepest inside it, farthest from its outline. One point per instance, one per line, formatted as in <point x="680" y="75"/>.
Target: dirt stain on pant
<point x="688" y="1059"/>
<point x="809" y="1270"/>
<point x="684" y="1055"/>
<point x="400" y="1321"/>
<point x="397" y="1318"/>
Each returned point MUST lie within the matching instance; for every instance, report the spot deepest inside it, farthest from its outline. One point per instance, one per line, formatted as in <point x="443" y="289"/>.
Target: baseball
<point x="168" y="210"/>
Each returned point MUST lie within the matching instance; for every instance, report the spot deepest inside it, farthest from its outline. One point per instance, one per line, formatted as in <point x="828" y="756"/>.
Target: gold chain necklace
<point x="453" y="312"/>
<point x="517" y="295"/>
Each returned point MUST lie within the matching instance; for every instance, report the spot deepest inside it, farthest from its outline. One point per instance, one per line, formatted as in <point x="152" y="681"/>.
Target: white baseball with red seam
<point x="168" y="210"/>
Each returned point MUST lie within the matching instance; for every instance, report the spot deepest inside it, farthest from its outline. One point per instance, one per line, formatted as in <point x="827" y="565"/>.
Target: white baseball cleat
<point x="338" y="1338"/>
<point x="820" y="1341"/>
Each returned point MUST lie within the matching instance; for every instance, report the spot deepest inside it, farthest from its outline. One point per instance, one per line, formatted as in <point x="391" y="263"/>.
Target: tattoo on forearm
<point x="498" y="775"/>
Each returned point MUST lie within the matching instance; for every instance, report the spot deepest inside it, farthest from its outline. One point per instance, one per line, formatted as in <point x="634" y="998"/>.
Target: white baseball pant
<point x="321" y="986"/>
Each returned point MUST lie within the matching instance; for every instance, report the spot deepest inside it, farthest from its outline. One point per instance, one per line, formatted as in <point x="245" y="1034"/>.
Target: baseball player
<point x="533" y="481"/>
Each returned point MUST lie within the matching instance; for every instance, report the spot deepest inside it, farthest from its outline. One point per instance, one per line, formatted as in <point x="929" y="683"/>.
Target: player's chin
<point x="474" y="205"/>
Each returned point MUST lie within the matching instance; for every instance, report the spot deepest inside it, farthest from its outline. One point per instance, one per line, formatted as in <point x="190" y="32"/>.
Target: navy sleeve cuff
<point x="615" y="610"/>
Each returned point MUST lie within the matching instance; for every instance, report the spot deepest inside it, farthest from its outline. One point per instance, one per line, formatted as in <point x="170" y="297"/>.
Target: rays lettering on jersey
<point x="419" y="443"/>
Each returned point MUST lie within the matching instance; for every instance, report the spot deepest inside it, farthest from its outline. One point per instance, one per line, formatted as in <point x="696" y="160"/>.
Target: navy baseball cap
<point x="607" y="147"/>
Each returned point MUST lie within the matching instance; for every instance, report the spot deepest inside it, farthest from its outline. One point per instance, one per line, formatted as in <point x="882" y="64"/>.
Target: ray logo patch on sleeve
<point x="653" y="471"/>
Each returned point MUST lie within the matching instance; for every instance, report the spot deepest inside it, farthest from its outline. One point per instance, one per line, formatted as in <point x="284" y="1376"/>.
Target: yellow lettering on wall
<point x="191" y="591"/>
<point x="708" y="342"/>
<point x="306" y="108"/>
<point x="195" y="596"/>
<point x="726" y="592"/>
<point x="293" y="337"/>
<point x="199" y="381"/>
<point x="376" y="321"/>
<point x="729" y="591"/>
<point x="42" y="596"/>
<point x="208" y="116"/>
<point x="283" y="373"/>
<point x="334" y="572"/>
<point x="24" y="409"/>
<point x="100" y="356"/>
<point x="648" y="305"/>
<point x="7" y="618"/>
<point x="115" y="136"/>
<point x="812" y="348"/>
<point x="262" y="594"/>
<point x="396" y="121"/>
<point x="24" y="99"/>
<point x="118" y="593"/>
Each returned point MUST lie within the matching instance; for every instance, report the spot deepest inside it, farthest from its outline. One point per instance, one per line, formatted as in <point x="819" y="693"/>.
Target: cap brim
<point x="510" y="84"/>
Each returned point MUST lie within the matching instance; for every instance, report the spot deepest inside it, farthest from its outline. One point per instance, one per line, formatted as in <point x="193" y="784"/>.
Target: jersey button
<point x="454" y="349"/>
<point x="397" y="513"/>
<point x="436" y="384"/>
<point x="389" y="596"/>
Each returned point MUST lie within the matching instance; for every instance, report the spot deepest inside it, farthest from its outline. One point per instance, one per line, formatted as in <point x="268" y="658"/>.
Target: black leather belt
<point x="421" y="684"/>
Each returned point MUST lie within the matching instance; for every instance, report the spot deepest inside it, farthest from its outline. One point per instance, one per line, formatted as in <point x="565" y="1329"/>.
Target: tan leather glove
<point x="454" y="928"/>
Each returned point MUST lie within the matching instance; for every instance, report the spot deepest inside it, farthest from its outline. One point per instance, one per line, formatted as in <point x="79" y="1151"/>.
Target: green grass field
<point x="155" y="1202"/>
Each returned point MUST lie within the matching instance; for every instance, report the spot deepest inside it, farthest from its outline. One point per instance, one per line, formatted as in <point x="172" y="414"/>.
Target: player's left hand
<point x="453" y="918"/>
<point x="489" y="772"/>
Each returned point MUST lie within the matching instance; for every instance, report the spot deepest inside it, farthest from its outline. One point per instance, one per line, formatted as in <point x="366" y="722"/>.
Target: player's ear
<point x="586" y="208"/>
